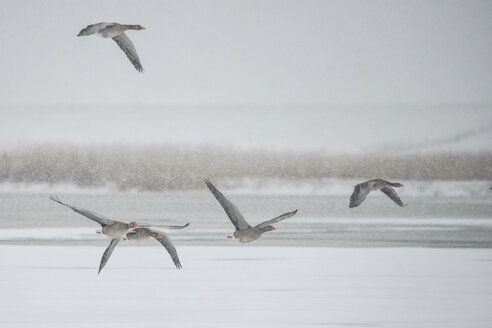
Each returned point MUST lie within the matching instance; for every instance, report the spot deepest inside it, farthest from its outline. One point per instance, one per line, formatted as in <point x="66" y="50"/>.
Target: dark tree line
<point x="167" y="167"/>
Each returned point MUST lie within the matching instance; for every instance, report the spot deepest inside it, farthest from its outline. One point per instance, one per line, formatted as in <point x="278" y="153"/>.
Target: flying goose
<point x="140" y="234"/>
<point x="244" y="232"/>
<point x="363" y="189"/>
<point x="116" y="32"/>
<point x="116" y="231"/>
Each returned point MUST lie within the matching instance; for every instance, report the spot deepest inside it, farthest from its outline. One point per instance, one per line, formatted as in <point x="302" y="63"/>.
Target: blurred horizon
<point x="317" y="128"/>
<point x="168" y="167"/>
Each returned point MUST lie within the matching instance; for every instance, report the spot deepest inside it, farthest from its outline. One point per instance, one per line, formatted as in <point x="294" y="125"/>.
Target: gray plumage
<point x="108" y="252"/>
<point x="170" y="227"/>
<point x="231" y="210"/>
<point x="391" y="193"/>
<point x="116" y="230"/>
<point x="93" y="28"/>
<point x="101" y="219"/>
<point x="128" y="48"/>
<point x="117" y="33"/>
<point x="277" y="219"/>
<point x="363" y="189"/>
<point x="110" y="228"/>
<point x="145" y="233"/>
<point x="244" y="232"/>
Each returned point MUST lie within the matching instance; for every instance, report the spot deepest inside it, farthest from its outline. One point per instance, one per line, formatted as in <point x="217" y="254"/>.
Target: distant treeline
<point x="167" y="167"/>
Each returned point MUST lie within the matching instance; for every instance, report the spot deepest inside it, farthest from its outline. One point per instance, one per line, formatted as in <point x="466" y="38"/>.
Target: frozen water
<point x="450" y="214"/>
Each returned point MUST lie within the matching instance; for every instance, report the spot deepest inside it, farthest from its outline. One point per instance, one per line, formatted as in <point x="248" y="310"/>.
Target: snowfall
<point x="244" y="286"/>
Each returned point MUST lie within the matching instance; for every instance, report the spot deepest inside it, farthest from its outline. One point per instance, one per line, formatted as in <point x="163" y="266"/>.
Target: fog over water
<point x="330" y="129"/>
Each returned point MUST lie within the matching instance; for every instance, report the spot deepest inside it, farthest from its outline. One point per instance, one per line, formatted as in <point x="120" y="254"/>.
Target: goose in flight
<point x="116" y="32"/>
<point x="244" y="232"/>
<point x="363" y="189"/>
<point x="116" y="231"/>
<point x="141" y="234"/>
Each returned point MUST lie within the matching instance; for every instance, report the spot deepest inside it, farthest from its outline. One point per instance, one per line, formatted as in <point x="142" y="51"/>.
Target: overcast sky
<point x="249" y="52"/>
<point x="339" y="76"/>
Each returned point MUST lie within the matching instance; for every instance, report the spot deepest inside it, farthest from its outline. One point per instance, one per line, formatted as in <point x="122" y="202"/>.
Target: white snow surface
<point x="245" y="286"/>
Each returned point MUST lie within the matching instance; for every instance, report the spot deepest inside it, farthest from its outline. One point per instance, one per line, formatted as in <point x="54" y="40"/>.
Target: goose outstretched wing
<point x="359" y="195"/>
<point x="93" y="28"/>
<point x="169" y="246"/>
<point x="391" y="193"/>
<point x="231" y="210"/>
<point x="164" y="226"/>
<point x="278" y="218"/>
<point x="108" y="252"/>
<point x="101" y="219"/>
<point x="128" y="48"/>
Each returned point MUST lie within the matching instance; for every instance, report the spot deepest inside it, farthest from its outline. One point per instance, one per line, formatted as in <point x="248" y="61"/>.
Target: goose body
<point x="116" y="32"/>
<point x="140" y="234"/>
<point x="363" y="189"/>
<point x="145" y="233"/>
<point x="250" y="234"/>
<point x="244" y="232"/>
<point x="115" y="230"/>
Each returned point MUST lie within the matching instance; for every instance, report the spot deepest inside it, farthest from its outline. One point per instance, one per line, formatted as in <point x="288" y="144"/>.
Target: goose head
<point x="268" y="228"/>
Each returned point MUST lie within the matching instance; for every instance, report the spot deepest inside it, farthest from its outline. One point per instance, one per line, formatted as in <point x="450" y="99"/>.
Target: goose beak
<point x="273" y="228"/>
<point x="230" y="237"/>
<point x="142" y="28"/>
<point x="401" y="185"/>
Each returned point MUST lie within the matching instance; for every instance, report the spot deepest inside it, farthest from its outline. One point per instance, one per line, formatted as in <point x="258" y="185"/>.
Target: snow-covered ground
<point x="248" y="286"/>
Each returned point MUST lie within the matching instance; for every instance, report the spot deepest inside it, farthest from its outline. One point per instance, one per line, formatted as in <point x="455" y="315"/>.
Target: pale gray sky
<point x="390" y="129"/>
<point x="249" y="52"/>
<point x="382" y="75"/>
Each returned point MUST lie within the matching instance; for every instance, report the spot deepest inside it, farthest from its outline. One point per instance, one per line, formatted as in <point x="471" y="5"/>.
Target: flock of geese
<point x="244" y="233"/>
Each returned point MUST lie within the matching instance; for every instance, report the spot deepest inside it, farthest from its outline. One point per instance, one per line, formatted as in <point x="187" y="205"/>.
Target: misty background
<point x="280" y="89"/>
